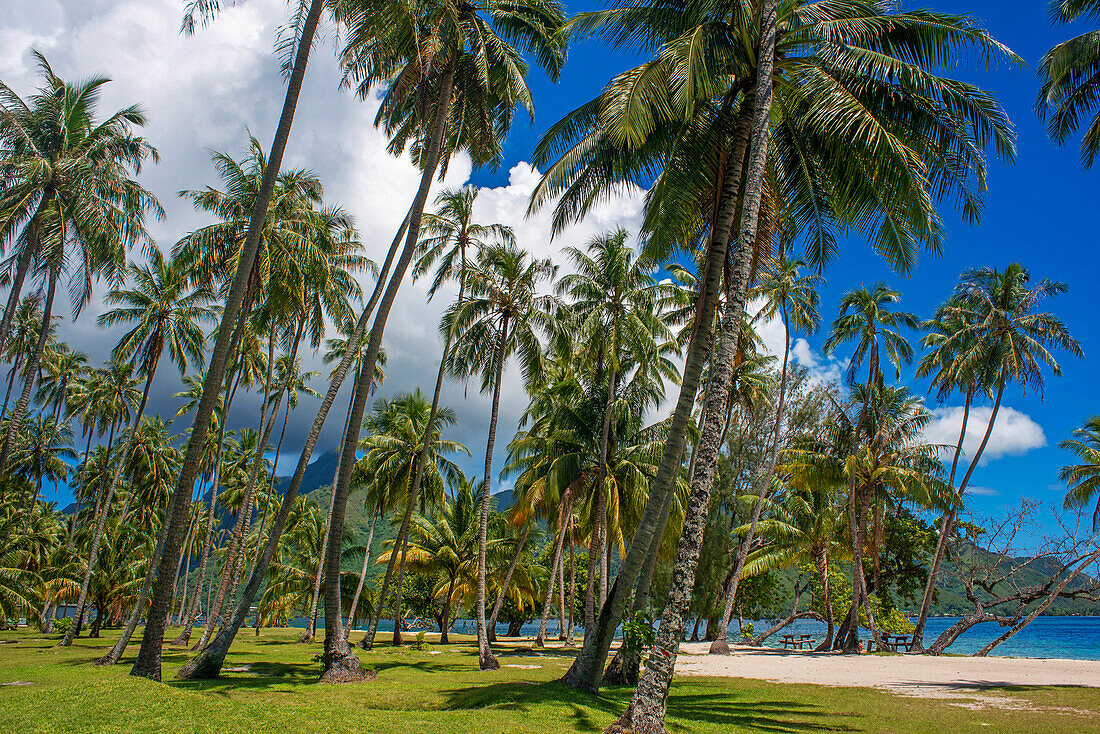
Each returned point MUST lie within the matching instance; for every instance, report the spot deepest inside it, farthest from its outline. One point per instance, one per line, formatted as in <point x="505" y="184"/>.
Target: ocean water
<point x="1076" y="638"/>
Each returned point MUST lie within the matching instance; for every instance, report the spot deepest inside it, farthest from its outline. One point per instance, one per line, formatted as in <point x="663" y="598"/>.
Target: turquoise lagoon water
<point x="1075" y="638"/>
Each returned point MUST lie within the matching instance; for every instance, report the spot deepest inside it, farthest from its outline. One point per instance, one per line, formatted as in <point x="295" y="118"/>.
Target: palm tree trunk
<point x="623" y="668"/>
<point x="597" y="548"/>
<point x="948" y="520"/>
<point x="32" y="371"/>
<point x="414" y="491"/>
<point x="148" y="661"/>
<point x="339" y="662"/>
<point x="486" y="659"/>
<point x="362" y="575"/>
<point x="507" y="581"/>
<point x="587" y="670"/>
<point x="646" y="714"/>
<point x="101" y="520"/>
<point x="561" y="599"/>
<point x="189" y="620"/>
<point x="186" y="569"/>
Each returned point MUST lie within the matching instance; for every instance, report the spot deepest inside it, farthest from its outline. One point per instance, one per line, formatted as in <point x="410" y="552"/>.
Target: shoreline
<point x="921" y="676"/>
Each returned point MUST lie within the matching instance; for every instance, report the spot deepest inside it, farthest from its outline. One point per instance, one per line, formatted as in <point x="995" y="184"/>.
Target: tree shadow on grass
<point x="594" y="712"/>
<point x="423" y="666"/>
<point x="259" y="675"/>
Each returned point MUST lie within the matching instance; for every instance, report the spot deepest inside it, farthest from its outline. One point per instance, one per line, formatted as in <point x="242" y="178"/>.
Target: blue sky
<point x="1039" y="212"/>
<point x="203" y="93"/>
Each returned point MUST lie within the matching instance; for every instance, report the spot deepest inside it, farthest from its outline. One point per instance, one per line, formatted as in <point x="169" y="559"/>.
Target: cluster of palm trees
<point x="765" y="132"/>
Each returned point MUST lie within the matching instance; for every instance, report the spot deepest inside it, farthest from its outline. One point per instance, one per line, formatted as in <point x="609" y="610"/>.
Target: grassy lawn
<point x="418" y="692"/>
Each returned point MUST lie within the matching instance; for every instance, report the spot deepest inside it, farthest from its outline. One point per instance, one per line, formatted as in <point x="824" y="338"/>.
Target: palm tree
<point x="865" y="317"/>
<point x="1070" y="86"/>
<point x="453" y="88"/>
<point x="392" y="452"/>
<point x="997" y="337"/>
<point x="304" y="27"/>
<point x="1083" y="480"/>
<point x="613" y="299"/>
<point x="70" y="179"/>
<point x="42" y="456"/>
<point x="445" y="544"/>
<point x="63" y="366"/>
<point x="502" y="316"/>
<point x="448" y="239"/>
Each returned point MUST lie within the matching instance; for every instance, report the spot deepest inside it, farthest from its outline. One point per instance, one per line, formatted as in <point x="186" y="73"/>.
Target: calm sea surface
<point x="1076" y="638"/>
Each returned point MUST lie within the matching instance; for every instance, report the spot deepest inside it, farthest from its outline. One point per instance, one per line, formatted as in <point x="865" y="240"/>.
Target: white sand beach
<point x="917" y="675"/>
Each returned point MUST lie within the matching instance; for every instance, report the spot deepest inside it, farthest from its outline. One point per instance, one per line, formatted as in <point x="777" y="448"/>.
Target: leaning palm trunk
<point x="105" y="510"/>
<point x="587" y="670"/>
<point x="148" y="661"/>
<point x="485" y="658"/>
<point x="948" y="520"/>
<point x="597" y="546"/>
<point x="646" y="713"/>
<point x="504" y="585"/>
<point x="339" y="662"/>
<point x="208" y="663"/>
<point x="362" y="576"/>
<point x="418" y="477"/>
<point x="24" y="264"/>
<point x="31" y="372"/>
<point x="624" y="667"/>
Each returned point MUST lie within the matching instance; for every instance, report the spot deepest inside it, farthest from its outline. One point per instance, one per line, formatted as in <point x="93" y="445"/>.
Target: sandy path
<point x="925" y="676"/>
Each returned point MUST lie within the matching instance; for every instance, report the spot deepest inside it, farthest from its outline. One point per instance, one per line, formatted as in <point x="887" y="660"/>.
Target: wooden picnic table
<point x="797" y="642"/>
<point x="893" y="642"/>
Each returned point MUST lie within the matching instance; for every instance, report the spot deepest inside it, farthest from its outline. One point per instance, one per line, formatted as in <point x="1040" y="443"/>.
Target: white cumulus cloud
<point x="1014" y="433"/>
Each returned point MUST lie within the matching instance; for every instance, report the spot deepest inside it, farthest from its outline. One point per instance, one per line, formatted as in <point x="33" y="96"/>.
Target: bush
<point x="61" y="626"/>
<point x="419" y="644"/>
<point x="637" y="633"/>
<point x="747" y="632"/>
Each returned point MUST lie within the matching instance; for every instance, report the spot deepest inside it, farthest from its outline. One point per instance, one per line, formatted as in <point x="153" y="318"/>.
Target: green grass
<point x="418" y="692"/>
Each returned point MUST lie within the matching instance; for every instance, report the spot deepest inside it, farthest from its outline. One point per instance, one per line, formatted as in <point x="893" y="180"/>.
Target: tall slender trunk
<point x="761" y="488"/>
<point x="485" y="658"/>
<point x="507" y="581"/>
<point x="418" y="477"/>
<point x="362" y="575"/>
<point x="105" y="510"/>
<point x="587" y="670"/>
<point x="148" y="661"/>
<point x="597" y="549"/>
<point x="646" y="714"/>
<point x="311" y="625"/>
<point x="32" y="371"/>
<point x="186" y="568"/>
<point x="947" y="522"/>
<point x="572" y="584"/>
<point x="339" y="662"/>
